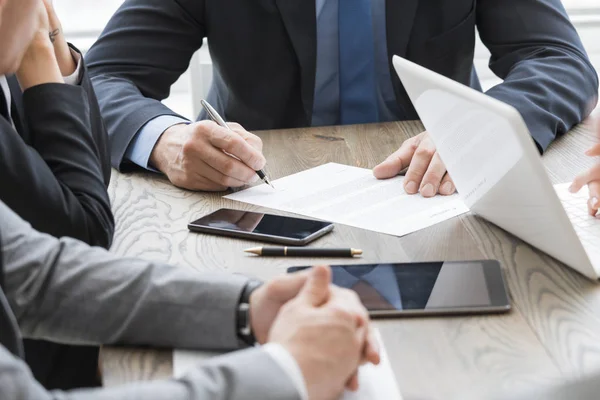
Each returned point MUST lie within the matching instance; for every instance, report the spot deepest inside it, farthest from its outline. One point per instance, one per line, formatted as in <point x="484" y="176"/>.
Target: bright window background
<point x="83" y="20"/>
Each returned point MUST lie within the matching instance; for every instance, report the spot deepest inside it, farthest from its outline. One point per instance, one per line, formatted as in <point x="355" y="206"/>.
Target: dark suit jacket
<point x="55" y="168"/>
<point x="264" y="55"/>
<point x="56" y="165"/>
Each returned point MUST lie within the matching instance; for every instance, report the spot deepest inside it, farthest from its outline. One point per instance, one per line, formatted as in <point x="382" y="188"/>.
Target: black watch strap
<point x="244" y="327"/>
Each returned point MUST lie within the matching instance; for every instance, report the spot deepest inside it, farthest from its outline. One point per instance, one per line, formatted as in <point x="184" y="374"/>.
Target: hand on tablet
<point x="426" y="172"/>
<point x="592" y="176"/>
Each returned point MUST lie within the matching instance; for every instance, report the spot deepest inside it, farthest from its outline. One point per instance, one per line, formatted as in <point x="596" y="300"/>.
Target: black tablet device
<point x="428" y="288"/>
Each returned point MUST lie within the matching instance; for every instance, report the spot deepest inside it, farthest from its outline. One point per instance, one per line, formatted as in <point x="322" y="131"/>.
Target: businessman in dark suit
<point x="55" y="167"/>
<point x="297" y="63"/>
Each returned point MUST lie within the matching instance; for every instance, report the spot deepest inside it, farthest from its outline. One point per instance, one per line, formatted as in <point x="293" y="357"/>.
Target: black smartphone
<point x="262" y="227"/>
<point x="429" y="288"/>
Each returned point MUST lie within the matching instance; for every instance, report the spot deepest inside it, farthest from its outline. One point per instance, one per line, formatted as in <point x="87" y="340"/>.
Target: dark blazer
<point x="264" y="55"/>
<point x="55" y="169"/>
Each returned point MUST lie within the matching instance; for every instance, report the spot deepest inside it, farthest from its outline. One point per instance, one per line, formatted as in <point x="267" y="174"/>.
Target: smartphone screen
<point x="427" y="287"/>
<point x="262" y="224"/>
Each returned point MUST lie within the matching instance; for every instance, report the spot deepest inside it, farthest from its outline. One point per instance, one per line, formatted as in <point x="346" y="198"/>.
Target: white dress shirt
<point x="289" y="365"/>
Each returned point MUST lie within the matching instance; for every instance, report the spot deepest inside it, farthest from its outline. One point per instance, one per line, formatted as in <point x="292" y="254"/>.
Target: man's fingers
<point x="232" y="143"/>
<point x="447" y="187"/>
<point x="251" y="138"/>
<point x="316" y="290"/>
<point x="352" y="384"/>
<point x="286" y="287"/>
<point x="432" y="179"/>
<point x="593" y="151"/>
<point x="397" y="161"/>
<point x="223" y="163"/>
<point x="419" y="166"/>
<point x="217" y="177"/>
<point x="350" y="301"/>
<point x="372" y="350"/>
<point x="594" y="201"/>
<point x="593" y="174"/>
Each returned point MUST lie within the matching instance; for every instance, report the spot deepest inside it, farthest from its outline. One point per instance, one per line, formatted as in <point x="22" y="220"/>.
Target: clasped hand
<point x="325" y="328"/>
<point x="48" y="58"/>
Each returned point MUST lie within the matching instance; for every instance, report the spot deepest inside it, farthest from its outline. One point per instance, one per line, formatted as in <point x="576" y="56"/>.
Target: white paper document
<point x="353" y="196"/>
<point x="377" y="382"/>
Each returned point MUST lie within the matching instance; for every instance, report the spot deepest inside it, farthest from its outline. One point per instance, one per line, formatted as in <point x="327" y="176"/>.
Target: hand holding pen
<point x="213" y="115"/>
<point x="201" y="155"/>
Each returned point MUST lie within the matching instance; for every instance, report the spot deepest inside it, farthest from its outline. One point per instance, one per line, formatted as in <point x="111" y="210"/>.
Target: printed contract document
<point x="353" y="196"/>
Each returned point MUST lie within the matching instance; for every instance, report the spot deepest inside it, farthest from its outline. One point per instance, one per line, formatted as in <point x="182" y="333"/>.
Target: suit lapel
<point x="400" y="18"/>
<point x="299" y="18"/>
<point x="16" y="109"/>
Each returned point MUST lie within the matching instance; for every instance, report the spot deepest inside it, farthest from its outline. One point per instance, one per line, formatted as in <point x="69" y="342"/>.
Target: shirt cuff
<point x="140" y="148"/>
<point x="75" y="78"/>
<point x="288" y="364"/>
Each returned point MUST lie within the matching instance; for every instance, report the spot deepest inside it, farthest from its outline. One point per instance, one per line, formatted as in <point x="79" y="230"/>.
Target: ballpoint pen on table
<point x="214" y="115"/>
<point x="303" y="252"/>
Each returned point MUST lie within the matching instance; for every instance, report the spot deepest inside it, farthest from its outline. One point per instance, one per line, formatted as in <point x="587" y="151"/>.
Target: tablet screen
<point x="424" y="286"/>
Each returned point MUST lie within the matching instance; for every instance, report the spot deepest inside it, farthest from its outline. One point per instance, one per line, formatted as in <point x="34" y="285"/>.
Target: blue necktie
<point x="358" y="103"/>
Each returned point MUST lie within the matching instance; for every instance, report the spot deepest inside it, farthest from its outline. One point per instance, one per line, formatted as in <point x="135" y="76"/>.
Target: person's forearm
<point x="537" y="52"/>
<point x="65" y="163"/>
<point x="39" y="66"/>
<point x="549" y="102"/>
<point x="68" y="292"/>
<point x="222" y="378"/>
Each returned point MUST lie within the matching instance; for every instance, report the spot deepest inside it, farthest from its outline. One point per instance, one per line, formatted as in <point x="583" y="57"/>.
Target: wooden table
<point x="552" y="335"/>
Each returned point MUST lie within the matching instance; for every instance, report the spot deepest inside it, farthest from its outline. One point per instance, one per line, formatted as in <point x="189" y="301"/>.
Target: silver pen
<point x="214" y="115"/>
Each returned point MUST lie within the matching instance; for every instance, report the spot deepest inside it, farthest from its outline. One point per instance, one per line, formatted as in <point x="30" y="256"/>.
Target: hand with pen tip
<point x="205" y="156"/>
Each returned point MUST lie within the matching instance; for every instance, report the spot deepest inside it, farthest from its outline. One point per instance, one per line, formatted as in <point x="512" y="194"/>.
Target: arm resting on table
<point x="145" y="48"/>
<point x="547" y="75"/>
<point x="247" y="374"/>
<point x="66" y="291"/>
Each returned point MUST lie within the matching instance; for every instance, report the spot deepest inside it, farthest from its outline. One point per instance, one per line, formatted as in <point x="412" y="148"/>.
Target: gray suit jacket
<point x="264" y="55"/>
<point x="66" y="291"/>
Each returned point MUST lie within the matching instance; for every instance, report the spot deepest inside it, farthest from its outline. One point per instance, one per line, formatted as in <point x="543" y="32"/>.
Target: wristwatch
<point x="244" y="325"/>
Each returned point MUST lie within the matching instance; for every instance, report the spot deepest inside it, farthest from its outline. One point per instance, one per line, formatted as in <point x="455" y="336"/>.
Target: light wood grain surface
<point x="552" y="335"/>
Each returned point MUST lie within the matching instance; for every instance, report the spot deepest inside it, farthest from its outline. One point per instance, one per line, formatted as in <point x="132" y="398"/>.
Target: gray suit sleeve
<point x="145" y="48"/>
<point x="248" y="374"/>
<point x="547" y="74"/>
<point x="65" y="291"/>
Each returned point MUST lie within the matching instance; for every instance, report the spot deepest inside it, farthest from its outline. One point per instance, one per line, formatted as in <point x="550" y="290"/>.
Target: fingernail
<point x="572" y="188"/>
<point x="594" y="202"/>
<point x="428" y="190"/>
<point x="255" y="178"/>
<point x="447" y="188"/>
<point x="411" y="187"/>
